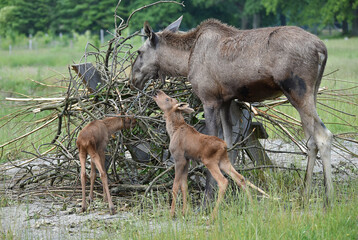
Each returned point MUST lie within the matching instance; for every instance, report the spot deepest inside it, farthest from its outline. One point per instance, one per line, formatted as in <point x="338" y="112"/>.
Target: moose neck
<point x="176" y="51"/>
<point x="113" y="124"/>
<point x="174" y="64"/>
<point x="174" y="120"/>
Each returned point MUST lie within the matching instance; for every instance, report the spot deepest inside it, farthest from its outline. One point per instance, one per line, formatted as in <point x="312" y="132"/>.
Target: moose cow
<point x="224" y="63"/>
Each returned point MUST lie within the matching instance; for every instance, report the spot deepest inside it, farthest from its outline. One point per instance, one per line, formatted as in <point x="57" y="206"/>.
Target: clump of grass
<point x="285" y="218"/>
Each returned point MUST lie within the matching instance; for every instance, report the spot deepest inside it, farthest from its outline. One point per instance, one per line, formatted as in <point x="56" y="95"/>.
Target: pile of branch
<point x="138" y="159"/>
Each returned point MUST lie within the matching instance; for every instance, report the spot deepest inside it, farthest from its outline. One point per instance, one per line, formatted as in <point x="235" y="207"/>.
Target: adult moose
<point x="224" y="63"/>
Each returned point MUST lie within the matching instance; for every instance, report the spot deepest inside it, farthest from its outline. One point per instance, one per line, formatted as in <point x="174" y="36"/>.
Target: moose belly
<point x="255" y="91"/>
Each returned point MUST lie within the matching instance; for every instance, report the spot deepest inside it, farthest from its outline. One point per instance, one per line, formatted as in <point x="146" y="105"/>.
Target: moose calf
<point x="92" y="140"/>
<point x="187" y="143"/>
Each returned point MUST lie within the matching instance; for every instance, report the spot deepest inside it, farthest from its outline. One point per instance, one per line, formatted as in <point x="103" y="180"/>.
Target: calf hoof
<point x="84" y="208"/>
<point x="112" y="211"/>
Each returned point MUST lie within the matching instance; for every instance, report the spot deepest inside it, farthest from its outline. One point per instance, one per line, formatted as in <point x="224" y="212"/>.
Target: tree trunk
<point x="244" y="22"/>
<point x="344" y="27"/>
<point x="355" y="23"/>
<point x="283" y="21"/>
<point x="256" y="20"/>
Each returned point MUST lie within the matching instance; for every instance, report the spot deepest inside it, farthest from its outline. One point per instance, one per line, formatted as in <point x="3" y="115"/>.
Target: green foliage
<point x="84" y="15"/>
<point x="55" y="16"/>
<point x="342" y="10"/>
<point x="316" y="12"/>
<point x="156" y="15"/>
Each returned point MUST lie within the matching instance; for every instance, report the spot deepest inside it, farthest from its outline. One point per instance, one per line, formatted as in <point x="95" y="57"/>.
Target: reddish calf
<point x="92" y="140"/>
<point x="186" y="143"/>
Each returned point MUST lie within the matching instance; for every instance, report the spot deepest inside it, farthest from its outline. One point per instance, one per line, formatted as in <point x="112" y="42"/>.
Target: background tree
<point x="66" y="16"/>
<point x="317" y="12"/>
<point x="344" y="11"/>
<point x="83" y="15"/>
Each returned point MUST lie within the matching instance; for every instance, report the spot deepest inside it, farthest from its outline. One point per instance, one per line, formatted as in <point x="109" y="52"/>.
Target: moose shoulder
<point x="224" y="63"/>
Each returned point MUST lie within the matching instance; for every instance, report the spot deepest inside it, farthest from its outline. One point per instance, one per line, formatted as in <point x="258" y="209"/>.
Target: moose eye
<point x="167" y="99"/>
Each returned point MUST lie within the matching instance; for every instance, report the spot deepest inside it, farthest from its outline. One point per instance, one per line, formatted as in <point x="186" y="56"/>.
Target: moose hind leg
<point x="319" y="139"/>
<point x="324" y="143"/>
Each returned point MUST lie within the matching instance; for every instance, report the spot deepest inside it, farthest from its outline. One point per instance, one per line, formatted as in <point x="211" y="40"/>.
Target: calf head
<point x="168" y="104"/>
<point x="147" y="66"/>
<point x="129" y="122"/>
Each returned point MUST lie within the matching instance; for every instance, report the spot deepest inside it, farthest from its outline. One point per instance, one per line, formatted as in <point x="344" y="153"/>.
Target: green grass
<point x="20" y="73"/>
<point x="238" y="219"/>
<point x="265" y="219"/>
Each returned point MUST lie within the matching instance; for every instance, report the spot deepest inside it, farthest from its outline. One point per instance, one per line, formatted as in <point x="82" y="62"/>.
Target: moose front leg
<point x="226" y="123"/>
<point x="211" y="123"/>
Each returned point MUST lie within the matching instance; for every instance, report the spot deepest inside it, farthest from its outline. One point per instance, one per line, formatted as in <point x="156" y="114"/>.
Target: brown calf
<point x="92" y="140"/>
<point x="187" y="143"/>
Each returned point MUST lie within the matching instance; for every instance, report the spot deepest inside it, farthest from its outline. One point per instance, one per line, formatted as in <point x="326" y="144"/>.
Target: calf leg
<point x="103" y="162"/>
<point x="103" y="175"/>
<point x="222" y="184"/>
<point x="226" y="166"/>
<point x="184" y="186"/>
<point x="83" y="157"/>
<point x="92" y="179"/>
<point x="181" y="170"/>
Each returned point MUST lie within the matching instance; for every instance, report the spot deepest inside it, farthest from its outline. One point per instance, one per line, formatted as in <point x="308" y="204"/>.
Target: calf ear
<point x="184" y="107"/>
<point x="174" y="26"/>
<point x="153" y="38"/>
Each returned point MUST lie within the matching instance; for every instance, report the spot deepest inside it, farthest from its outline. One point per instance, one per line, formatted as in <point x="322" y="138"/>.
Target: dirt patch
<point x="46" y="220"/>
<point x="343" y="162"/>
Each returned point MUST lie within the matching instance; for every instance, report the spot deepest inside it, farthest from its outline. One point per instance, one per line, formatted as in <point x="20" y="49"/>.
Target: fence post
<point x="102" y="36"/>
<point x="10" y="48"/>
<point x="30" y="41"/>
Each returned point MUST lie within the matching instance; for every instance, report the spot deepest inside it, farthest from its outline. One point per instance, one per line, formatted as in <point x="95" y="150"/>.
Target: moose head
<point x="149" y="62"/>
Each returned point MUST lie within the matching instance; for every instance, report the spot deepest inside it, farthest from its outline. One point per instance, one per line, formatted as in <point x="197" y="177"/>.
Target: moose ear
<point x="174" y="26"/>
<point x="153" y="38"/>
<point x="184" y="107"/>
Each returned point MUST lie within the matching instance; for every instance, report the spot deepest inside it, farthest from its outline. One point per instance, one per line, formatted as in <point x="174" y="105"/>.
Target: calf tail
<point x="322" y="59"/>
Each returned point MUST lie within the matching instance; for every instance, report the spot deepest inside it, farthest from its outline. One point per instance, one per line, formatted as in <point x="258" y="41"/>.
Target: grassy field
<point x="264" y="219"/>
<point x="238" y="219"/>
<point x="23" y="73"/>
